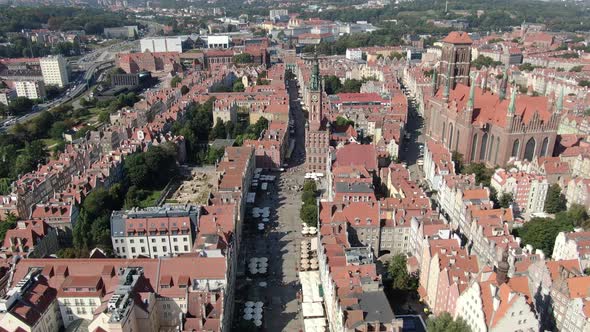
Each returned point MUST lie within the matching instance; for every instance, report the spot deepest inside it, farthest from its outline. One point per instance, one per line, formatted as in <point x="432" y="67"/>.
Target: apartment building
<point x="155" y="231"/>
<point x="573" y="245"/>
<point x="30" y="89"/>
<point x="528" y="190"/>
<point x="55" y="70"/>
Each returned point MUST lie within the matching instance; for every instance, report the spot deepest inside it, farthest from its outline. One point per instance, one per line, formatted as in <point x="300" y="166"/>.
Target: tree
<point x="309" y="215"/>
<point x="20" y="105"/>
<point x="483" y="174"/>
<point x="342" y="121"/>
<point x="57" y="129"/>
<point x="457" y="158"/>
<point x="445" y="323"/>
<point x="238" y="86"/>
<point x="352" y="86"/>
<point x="485" y="61"/>
<point x="175" y="81"/>
<point x="555" y="201"/>
<point x="218" y="130"/>
<point x="242" y="58"/>
<point x="184" y="90"/>
<point x="398" y="271"/>
<point x="541" y="232"/>
<point x="7" y="225"/>
<point x="310" y="186"/>
<point x="506" y="200"/>
<point x="332" y="85"/>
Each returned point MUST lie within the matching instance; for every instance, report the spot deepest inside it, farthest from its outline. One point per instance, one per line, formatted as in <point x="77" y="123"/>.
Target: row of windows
<point x="154" y="249"/>
<point x="132" y="241"/>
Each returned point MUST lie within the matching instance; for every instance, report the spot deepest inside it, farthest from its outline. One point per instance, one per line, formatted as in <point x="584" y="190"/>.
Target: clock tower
<point x="315" y="97"/>
<point x="317" y="133"/>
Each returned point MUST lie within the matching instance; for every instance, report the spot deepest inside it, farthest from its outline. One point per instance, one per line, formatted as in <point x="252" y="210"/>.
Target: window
<point x="142" y="249"/>
<point x="164" y="248"/>
<point x="175" y="248"/>
<point x="131" y="241"/>
<point x="133" y="250"/>
<point x="154" y="249"/>
<point x="174" y="239"/>
<point x="153" y="240"/>
<point x="163" y="240"/>
<point x="140" y="240"/>
<point x="185" y="248"/>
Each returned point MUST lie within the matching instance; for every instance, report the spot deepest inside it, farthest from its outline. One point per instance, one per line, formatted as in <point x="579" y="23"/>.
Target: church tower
<point x="315" y="95"/>
<point x="456" y="56"/>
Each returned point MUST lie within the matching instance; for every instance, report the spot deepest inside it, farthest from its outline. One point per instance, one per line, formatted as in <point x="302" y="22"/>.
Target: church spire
<point x="559" y="106"/>
<point x="512" y="105"/>
<point x="448" y="83"/>
<point x="504" y="84"/>
<point x="471" y="101"/>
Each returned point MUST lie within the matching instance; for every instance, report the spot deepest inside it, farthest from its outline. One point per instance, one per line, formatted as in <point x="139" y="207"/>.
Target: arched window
<point x="482" y="149"/>
<point x="450" y="136"/>
<point x="529" y="149"/>
<point x="444" y="132"/>
<point x="544" y="147"/>
<point x="515" y="147"/>
<point x="473" y="147"/>
<point x="457" y="140"/>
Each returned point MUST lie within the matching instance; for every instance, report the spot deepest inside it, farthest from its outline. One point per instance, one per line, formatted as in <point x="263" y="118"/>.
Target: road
<point x="89" y="63"/>
<point x="410" y="152"/>
<point x="279" y="243"/>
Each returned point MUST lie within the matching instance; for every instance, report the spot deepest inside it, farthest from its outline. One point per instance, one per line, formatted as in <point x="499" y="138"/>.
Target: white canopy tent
<point x="310" y="286"/>
<point x="315" y="309"/>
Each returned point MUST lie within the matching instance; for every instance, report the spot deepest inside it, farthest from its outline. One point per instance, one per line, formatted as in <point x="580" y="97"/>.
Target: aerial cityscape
<point x="299" y="166"/>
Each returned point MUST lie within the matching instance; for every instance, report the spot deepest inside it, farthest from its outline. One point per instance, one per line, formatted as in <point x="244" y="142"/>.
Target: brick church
<point x="317" y="132"/>
<point x="482" y="126"/>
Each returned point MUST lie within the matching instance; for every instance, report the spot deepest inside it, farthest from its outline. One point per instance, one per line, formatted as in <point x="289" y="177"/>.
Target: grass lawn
<point x="150" y="199"/>
<point x="49" y="142"/>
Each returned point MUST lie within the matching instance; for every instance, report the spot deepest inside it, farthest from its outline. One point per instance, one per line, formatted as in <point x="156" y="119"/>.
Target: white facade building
<point x="154" y="232"/>
<point x="217" y="41"/>
<point x="6" y="96"/>
<point x="354" y="54"/>
<point x="161" y="44"/>
<point x="573" y="245"/>
<point x="30" y="89"/>
<point x="54" y="69"/>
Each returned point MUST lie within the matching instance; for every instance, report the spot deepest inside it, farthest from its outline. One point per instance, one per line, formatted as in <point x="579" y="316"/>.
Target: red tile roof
<point x="458" y="37"/>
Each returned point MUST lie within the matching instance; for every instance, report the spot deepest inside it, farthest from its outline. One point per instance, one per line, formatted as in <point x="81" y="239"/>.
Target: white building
<point x="154" y="232"/>
<point x="161" y="44"/>
<point x="218" y="42"/>
<point x="354" y="54"/>
<point x="528" y="190"/>
<point x="54" y="69"/>
<point x="30" y="89"/>
<point x="6" y="96"/>
<point x="485" y="306"/>
<point x="573" y="245"/>
<point x="277" y="13"/>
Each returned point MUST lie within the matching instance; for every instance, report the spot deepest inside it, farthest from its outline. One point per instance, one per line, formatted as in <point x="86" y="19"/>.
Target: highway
<point x="90" y="64"/>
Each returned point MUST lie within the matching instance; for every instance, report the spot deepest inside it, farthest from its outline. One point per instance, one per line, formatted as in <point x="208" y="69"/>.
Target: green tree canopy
<point x="398" y="271"/>
<point x="555" y="200"/>
<point x="506" y="200"/>
<point x="242" y="58"/>
<point x="445" y="323"/>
